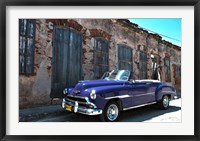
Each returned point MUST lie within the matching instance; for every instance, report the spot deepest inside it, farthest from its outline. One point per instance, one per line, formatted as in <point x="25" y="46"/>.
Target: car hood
<point x="87" y="84"/>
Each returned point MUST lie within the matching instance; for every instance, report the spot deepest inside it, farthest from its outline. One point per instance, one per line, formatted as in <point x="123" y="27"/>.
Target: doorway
<point x="66" y="60"/>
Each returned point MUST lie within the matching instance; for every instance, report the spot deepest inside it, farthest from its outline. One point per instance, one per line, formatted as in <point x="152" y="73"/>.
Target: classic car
<point x="114" y="93"/>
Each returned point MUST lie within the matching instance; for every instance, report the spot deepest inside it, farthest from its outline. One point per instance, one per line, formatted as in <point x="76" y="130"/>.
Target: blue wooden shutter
<point x="125" y="58"/>
<point x="101" y="57"/>
<point x="26" y="45"/>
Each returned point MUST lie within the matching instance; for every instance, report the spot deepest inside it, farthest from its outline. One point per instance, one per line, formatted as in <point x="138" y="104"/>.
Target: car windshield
<point x="117" y="75"/>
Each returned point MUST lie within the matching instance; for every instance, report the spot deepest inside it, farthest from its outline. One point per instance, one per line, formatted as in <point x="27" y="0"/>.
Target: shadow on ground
<point x="145" y="113"/>
<point x="135" y="115"/>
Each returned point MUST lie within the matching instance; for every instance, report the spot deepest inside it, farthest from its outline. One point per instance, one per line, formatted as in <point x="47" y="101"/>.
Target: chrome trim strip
<point x="147" y="81"/>
<point x="126" y="96"/>
<point x="124" y="109"/>
<point x="168" y="91"/>
<point x="120" y="96"/>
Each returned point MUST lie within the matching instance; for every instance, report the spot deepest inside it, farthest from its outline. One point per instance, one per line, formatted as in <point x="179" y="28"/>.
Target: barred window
<point x="101" y="57"/>
<point x="167" y="70"/>
<point x="143" y="65"/>
<point x="26" y="45"/>
<point x="125" y="58"/>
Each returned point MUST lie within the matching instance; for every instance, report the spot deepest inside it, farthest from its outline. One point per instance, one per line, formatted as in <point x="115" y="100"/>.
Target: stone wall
<point x="34" y="90"/>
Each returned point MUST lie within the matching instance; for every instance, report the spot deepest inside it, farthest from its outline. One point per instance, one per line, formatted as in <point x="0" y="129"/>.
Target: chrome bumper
<point x="80" y="109"/>
<point x="175" y="97"/>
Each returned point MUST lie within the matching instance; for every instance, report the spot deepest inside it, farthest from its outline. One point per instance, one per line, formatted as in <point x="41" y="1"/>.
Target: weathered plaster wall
<point x="35" y="89"/>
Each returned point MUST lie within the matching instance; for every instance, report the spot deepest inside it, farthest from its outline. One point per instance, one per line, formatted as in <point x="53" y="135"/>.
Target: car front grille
<point x="82" y="101"/>
<point x="77" y="98"/>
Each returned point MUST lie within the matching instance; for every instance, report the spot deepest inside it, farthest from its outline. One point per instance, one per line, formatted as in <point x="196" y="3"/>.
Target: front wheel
<point x="164" y="103"/>
<point x="111" y="112"/>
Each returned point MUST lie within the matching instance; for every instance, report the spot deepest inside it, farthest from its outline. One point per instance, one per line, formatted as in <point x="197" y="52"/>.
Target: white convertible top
<point x="146" y="80"/>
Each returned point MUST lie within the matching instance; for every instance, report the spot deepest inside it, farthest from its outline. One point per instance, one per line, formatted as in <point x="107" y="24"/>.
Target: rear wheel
<point x="164" y="103"/>
<point x="111" y="112"/>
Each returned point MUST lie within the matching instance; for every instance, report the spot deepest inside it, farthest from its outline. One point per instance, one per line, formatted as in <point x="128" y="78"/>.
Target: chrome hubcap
<point x="165" y="101"/>
<point x="112" y="112"/>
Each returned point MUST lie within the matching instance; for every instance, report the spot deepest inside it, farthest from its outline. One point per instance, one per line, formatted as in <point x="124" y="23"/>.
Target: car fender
<point x="108" y="93"/>
<point x="101" y="101"/>
<point x="164" y="89"/>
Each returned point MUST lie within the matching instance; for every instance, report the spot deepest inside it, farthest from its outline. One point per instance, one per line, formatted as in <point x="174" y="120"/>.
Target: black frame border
<point x="5" y="3"/>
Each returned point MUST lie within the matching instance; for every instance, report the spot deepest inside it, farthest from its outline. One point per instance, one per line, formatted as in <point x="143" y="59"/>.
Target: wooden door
<point x="66" y="61"/>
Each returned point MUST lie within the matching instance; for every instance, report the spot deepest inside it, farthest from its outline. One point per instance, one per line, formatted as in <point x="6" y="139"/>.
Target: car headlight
<point x="65" y="91"/>
<point x="93" y="94"/>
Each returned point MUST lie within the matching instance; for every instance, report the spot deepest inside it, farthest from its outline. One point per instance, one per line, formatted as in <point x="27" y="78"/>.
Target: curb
<point x="29" y="115"/>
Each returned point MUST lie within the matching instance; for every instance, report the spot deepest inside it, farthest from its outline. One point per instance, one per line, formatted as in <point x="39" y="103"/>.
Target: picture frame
<point x="3" y="71"/>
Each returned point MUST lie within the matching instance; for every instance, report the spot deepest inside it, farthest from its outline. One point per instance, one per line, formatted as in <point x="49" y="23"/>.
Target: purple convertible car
<point x="115" y="92"/>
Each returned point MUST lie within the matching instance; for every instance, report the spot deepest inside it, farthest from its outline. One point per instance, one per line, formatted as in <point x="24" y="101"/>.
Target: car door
<point x="125" y="96"/>
<point x="142" y="93"/>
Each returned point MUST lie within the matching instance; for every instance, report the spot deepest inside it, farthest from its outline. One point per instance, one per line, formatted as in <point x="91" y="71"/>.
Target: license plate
<point x="68" y="108"/>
